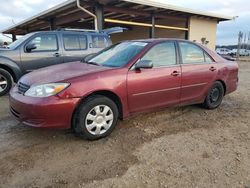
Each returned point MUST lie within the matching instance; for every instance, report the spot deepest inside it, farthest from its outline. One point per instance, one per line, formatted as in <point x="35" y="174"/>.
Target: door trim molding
<point x="194" y="85"/>
<point x="156" y="91"/>
<point x="169" y="89"/>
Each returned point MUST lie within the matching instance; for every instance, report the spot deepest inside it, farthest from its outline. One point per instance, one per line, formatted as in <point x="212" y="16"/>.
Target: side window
<point x="99" y="41"/>
<point x="74" y="42"/>
<point x="44" y="42"/>
<point x="191" y="53"/>
<point x="162" y="54"/>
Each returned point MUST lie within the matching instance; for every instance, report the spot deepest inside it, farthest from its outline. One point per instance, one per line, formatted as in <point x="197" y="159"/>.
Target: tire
<point x="215" y="96"/>
<point x="89" y="124"/>
<point x="6" y="82"/>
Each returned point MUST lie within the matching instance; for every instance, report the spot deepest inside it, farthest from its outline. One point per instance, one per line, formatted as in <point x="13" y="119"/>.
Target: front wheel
<point x="95" y="118"/>
<point x="215" y="96"/>
<point x="5" y="82"/>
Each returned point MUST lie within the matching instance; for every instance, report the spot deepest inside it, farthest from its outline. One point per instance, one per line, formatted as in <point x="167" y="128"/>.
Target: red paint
<point x="138" y="91"/>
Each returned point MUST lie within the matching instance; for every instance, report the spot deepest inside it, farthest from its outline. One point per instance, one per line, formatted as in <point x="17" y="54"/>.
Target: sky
<point x="14" y="11"/>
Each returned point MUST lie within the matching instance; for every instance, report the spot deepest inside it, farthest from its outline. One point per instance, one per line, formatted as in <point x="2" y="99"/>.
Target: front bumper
<point x="53" y="111"/>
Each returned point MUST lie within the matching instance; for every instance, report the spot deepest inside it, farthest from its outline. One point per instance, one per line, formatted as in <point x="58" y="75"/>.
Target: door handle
<point x="175" y="73"/>
<point x="212" y="69"/>
<point x="57" y="55"/>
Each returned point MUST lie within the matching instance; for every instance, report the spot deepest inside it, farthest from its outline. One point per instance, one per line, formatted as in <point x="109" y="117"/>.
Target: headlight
<point x="46" y="90"/>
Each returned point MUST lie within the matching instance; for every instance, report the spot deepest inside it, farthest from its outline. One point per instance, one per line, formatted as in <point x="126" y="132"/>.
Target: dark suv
<point x="41" y="49"/>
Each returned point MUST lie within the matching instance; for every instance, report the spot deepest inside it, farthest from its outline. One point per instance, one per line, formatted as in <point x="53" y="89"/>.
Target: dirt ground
<point x="178" y="147"/>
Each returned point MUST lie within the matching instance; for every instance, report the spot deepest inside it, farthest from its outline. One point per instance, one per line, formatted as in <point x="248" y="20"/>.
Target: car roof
<point x="71" y="32"/>
<point x="155" y="40"/>
<point x="211" y="53"/>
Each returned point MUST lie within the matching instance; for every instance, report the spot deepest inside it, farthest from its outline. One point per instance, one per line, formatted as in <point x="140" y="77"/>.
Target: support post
<point x="187" y="26"/>
<point x="27" y="30"/>
<point x="152" y="29"/>
<point x="100" y="16"/>
<point x="13" y="37"/>
<point x="52" y="23"/>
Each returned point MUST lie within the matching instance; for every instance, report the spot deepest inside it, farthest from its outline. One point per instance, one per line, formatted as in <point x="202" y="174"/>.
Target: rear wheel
<point x="5" y="82"/>
<point x="95" y="118"/>
<point x="215" y="96"/>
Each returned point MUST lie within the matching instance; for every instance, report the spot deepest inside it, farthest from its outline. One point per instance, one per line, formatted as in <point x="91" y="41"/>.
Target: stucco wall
<point x="203" y="28"/>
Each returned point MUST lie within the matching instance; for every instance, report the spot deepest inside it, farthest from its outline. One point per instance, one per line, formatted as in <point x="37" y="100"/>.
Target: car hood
<point x="4" y="52"/>
<point x="4" y="49"/>
<point x="60" y="73"/>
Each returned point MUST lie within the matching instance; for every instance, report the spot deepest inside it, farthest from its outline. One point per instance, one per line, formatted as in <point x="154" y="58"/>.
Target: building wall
<point x="198" y="28"/>
<point x="203" y="28"/>
<point x="138" y="32"/>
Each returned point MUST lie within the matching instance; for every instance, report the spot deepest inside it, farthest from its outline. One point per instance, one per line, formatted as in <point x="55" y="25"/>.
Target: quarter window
<point x="75" y="42"/>
<point x="83" y="42"/>
<point x="192" y="54"/>
<point x="162" y="54"/>
<point x="208" y="58"/>
<point x="99" y="41"/>
<point x="45" y="42"/>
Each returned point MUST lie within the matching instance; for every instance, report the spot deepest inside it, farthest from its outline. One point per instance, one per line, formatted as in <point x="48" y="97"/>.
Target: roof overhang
<point x="181" y="9"/>
<point x="131" y="10"/>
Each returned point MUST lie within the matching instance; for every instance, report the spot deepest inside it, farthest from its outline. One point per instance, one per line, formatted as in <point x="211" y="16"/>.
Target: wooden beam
<point x="139" y="12"/>
<point x="71" y="18"/>
<point x="145" y="24"/>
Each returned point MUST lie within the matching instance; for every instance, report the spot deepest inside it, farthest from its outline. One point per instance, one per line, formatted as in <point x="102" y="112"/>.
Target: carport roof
<point x="180" y="9"/>
<point x="68" y="12"/>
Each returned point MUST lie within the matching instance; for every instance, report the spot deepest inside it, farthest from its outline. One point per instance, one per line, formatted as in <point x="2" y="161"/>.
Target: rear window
<point x="99" y="41"/>
<point x="74" y="42"/>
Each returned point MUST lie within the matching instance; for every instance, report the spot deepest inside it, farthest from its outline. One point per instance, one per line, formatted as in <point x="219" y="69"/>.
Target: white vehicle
<point x="223" y="51"/>
<point x="234" y="52"/>
<point x="244" y="52"/>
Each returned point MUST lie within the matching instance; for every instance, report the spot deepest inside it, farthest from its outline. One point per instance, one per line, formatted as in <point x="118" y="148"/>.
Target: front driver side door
<point x="47" y="52"/>
<point x="159" y="86"/>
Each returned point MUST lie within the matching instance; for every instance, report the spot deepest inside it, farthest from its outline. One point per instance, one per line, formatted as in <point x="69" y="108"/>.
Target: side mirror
<point x="30" y="47"/>
<point x="88" y="57"/>
<point x="144" y="64"/>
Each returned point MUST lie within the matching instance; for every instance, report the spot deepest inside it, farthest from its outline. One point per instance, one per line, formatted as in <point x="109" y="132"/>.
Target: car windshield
<point x="19" y="41"/>
<point x="119" y="54"/>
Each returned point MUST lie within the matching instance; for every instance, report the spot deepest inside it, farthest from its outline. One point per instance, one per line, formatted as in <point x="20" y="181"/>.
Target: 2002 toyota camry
<point x="126" y="78"/>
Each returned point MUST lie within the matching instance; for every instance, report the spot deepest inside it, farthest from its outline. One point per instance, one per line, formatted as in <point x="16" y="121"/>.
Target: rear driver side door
<point x="199" y="71"/>
<point x="75" y="47"/>
<point x="156" y="87"/>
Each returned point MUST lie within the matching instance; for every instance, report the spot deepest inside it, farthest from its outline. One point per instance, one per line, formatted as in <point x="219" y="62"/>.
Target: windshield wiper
<point x="92" y="63"/>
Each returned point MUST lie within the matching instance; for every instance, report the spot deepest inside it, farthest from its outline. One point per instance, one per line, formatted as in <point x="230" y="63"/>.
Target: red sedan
<point x="122" y="80"/>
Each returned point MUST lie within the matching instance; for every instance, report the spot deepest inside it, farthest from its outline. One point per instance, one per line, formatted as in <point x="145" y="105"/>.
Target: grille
<point x="22" y="88"/>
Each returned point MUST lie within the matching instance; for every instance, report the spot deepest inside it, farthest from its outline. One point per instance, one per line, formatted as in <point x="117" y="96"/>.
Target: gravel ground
<point x="177" y="147"/>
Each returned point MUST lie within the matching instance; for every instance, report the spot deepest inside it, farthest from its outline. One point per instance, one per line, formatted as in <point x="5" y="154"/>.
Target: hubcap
<point x="214" y="95"/>
<point x="99" y="119"/>
<point x="3" y="83"/>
